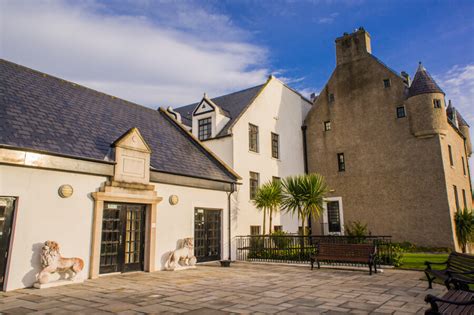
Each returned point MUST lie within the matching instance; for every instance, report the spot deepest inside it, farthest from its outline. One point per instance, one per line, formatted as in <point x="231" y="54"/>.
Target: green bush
<point x="357" y="231"/>
<point x="280" y="240"/>
<point x="412" y="248"/>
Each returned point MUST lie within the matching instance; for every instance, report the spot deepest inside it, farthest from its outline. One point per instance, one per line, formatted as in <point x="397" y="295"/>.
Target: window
<point x="450" y="151"/>
<point x="334" y="219"/>
<point x="327" y="125"/>
<point x="341" y="162"/>
<point x="386" y="83"/>
<point x="437" y="103"/>
<point x="254" y="182"/>
<point x="278" y="228"/>
<point x="275" y="146"/>
<point x="253" y="138"/>
<point x="205" y="129"/>
<point x="255" y="230"/>
<point x="401" y="112"/>
<point x="331" y="97"/>
<point x="456" y="198"/>
<point x="463" y="166"/>
<point x="464" y="200"/>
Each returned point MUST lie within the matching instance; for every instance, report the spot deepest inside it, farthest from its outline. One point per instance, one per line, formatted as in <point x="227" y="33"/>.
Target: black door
<point x="123" y="237"/>
<point x="207" y="234"/>
<point x="334" y="218"/>
<point x="7" y="206"/>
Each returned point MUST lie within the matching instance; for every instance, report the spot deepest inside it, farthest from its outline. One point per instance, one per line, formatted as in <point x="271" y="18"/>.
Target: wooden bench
<point x="459" y="267"/>
<point x="353" y="253"/>
<point x="453" y="302"/>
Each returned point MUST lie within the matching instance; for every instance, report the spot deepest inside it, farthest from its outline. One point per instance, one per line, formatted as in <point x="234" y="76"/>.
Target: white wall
<point x="277" y="109"/>
<point x="177" y="222"/>
<point x="42" y="215"/>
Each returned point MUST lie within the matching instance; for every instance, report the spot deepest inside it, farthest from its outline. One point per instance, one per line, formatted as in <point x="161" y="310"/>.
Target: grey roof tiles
<point x="233" y="104"/>
<point x="45" y="113"/>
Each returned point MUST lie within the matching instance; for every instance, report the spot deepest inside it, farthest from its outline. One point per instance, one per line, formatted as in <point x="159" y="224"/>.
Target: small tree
<point x="464" y="221"/>
<point x="304" y="195"/>
<point x="267" y="199"/>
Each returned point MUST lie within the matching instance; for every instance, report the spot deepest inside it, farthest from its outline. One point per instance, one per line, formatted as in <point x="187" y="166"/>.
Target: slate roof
<point x="450" y="113"/>
<point x="234" y="104"/>
<point x="423" y="83"/>
<point x="45" y="113"/>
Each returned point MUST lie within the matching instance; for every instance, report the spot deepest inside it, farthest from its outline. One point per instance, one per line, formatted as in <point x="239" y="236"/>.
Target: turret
<point x="426" y="106"/>
<point x="456" y="118"/>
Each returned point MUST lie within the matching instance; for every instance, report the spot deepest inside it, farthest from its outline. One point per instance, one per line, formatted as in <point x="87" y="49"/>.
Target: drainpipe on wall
<point x="305" y="158"/>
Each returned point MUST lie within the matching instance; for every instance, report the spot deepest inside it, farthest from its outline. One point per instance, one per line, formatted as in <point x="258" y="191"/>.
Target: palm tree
<point x="464" y="227"/>
<point x="267" y="199"/>
<point x="304" y="195"/>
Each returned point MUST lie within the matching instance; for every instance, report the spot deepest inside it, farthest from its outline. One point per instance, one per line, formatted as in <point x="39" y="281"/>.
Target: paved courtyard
<point x="244" y="288"/>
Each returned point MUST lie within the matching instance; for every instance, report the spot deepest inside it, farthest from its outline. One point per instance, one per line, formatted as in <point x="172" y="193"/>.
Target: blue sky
<point x="160" y="53"/>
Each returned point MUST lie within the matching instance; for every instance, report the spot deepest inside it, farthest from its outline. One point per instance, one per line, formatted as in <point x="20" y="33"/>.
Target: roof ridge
<point x="240" y="91"/>
<point x="74" y="84"/>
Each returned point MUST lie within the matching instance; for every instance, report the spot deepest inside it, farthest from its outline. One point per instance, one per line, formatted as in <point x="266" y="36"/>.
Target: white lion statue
<point x="184" y="254"/>
<point x="52" y="262"/>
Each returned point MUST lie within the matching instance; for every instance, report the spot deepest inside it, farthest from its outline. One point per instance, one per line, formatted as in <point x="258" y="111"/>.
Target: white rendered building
<point x="257" y="132"/>
<point x="114" y="183"/>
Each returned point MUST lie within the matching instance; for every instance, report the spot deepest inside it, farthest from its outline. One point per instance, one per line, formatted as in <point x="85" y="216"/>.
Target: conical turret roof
<point x="423" y="83"/>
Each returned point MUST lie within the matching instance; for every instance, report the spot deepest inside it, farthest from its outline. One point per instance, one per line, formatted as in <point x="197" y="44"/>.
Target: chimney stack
<point x="352" y="46"/>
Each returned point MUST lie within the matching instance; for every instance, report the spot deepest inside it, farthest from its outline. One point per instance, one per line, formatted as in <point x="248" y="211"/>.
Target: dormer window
<point x="437" y="103"/>
<point x="205" y="128"/>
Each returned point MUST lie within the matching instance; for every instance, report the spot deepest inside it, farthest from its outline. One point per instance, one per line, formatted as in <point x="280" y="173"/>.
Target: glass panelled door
<point x="7" y="206"/>
<point x="207" y="234"/>
<point x="123" y="237"/>
<point x="334" y="218"/>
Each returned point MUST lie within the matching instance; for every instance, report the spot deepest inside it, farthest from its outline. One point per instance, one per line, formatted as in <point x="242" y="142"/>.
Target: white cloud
<point x="458" y="84"/>
<point x="166" y="58"/>
<point x="328" y="19"/>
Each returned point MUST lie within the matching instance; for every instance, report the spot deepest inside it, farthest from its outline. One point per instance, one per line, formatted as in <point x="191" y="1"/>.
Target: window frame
<point x="450" y="153"/>
<point x="437" y="103"/>
<point x="277" y="147"/>
<point x="464" y="198"/>
<point x="253" y="136"/>
<point x="258" y="227"/>
<point x="327" y="125"/>
<point x="341" y="163"/>
<point x="404" y="112"/>
<point x="331" y="97"/>
<point x="463" y="166"/>
<point x="456" y="197"/>
<point x="208" y="125"/>
<point x="254" y="183"/>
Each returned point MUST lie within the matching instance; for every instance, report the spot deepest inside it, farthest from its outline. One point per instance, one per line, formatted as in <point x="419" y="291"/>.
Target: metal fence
<point x="299" y="249"/>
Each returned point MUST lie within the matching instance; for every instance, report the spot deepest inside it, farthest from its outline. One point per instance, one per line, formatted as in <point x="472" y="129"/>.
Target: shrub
<point x="280" y="240"/>
<point x="357" y="230"/>
<point x="464" y="227"/>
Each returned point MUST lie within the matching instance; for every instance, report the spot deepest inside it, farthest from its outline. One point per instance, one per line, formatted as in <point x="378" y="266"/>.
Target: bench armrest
<point x="429" y="263"/>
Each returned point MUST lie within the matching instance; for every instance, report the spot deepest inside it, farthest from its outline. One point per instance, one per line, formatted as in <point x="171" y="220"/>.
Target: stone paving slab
<point x="242" y="289"/>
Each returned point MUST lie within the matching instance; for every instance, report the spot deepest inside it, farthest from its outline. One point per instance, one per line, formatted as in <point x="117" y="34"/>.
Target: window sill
<point x="276" y="159"/>
<point x="254" y="152"/>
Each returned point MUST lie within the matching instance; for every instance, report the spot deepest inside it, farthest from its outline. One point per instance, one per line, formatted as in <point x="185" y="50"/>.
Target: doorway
<point x="207" y="234"/>
<point x="123" y="237"/>
<point x="7" y="209"/>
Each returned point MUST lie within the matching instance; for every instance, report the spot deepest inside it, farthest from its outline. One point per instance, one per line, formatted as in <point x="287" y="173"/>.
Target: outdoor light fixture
<point x="173" y="200"/>
<point x="65" y="191"/>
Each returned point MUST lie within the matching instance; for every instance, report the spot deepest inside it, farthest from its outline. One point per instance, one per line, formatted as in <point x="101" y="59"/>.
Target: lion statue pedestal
<point x="183" y="257"/>
<point x="57" y="268"/>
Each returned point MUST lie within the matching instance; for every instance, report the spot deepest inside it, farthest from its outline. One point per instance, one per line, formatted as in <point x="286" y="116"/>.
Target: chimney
<point x="352" y="46"/>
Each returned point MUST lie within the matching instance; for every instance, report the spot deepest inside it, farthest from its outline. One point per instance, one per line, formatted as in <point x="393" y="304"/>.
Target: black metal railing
<point x="298" y="249"/>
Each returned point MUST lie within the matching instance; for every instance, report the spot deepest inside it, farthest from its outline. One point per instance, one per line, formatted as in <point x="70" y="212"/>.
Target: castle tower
<point x="461" y="124"/>
<point x="426" y="106"/>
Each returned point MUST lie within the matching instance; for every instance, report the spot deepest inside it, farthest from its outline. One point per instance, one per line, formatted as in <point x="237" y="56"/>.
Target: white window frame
<point x="325" y="216"/>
